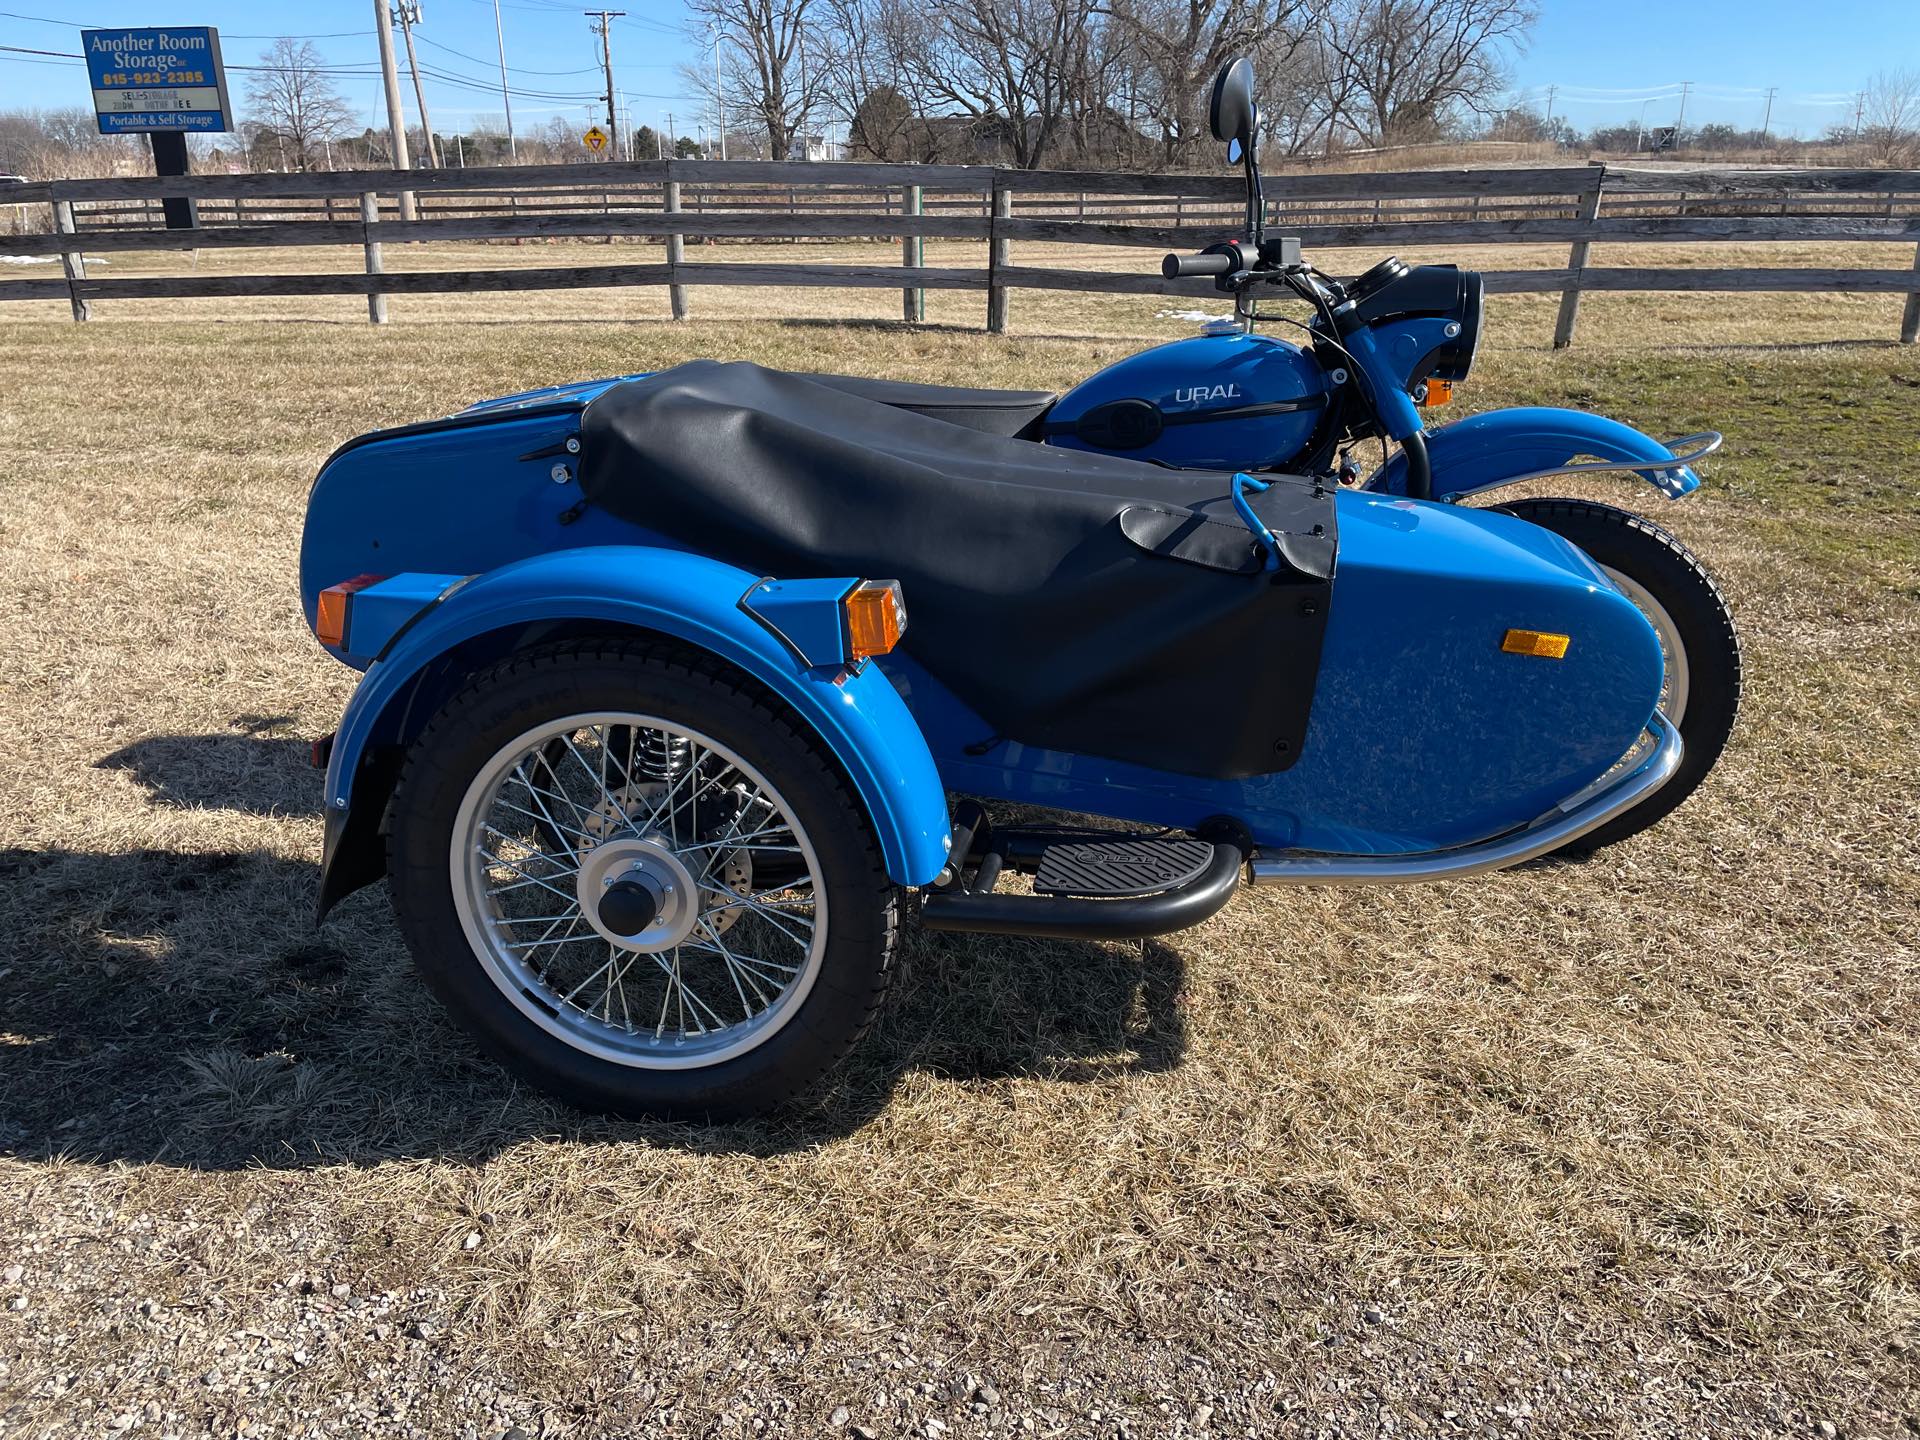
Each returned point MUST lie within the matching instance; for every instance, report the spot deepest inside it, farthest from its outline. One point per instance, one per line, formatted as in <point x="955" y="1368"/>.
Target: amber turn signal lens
<point x="1439" y="392"/>
<point x="330" y="611"/>
<point x="1542" y="643"/>
<point x="876" y="618"/>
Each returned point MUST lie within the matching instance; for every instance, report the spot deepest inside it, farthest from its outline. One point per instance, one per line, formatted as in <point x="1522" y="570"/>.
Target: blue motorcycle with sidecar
<point x="668" y="679"/>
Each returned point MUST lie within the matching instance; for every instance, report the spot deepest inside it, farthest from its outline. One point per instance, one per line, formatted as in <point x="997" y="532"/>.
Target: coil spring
<point x="660" y="756"/>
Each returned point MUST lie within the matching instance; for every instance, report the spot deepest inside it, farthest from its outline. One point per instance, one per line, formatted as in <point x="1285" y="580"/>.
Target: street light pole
<point x="719" y="104"/>
<point x="506" y="96"/>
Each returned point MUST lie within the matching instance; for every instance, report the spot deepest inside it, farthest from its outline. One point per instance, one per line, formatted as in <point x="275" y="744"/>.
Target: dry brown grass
<point x="1637" y="1137"/>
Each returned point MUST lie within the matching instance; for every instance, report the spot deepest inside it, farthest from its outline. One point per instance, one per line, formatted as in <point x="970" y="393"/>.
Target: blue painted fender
<point x="1480" y="452"/>
<point x="860" y="716"/>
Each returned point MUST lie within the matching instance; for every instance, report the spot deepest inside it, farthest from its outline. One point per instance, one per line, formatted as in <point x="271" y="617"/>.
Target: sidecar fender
<point x="612" y="590"/>
<point x="1498" y="447"/>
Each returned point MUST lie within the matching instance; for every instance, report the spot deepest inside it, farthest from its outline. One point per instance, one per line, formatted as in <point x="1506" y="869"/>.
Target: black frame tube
<point x="1071" y="918"/>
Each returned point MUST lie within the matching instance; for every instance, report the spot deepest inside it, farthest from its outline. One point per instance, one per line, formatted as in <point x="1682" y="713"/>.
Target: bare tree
<point x="1177" y="46"/>
<point x="1890" y="117"/>
<point x="294" y="104"/>
<point x="766" y="74"/>
<point x="1399" y="70"/>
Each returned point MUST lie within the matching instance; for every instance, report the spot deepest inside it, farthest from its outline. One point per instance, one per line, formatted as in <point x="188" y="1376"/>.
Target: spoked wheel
<point x="1701" y="692"/>
<point x="639" y="884"/>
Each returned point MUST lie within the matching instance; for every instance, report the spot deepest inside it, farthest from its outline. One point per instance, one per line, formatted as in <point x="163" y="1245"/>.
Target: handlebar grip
<point x="1176" y="267"/>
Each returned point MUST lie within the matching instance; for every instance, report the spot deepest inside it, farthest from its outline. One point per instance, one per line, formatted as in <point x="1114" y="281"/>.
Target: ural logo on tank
<point x="1195" y="394"/>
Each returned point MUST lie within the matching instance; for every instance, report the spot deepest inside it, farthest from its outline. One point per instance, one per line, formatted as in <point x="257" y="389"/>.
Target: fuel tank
<point x="1214" y="402"/>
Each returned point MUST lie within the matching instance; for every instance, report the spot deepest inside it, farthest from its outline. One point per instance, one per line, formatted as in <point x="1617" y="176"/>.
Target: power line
<point x="516" y="69"/>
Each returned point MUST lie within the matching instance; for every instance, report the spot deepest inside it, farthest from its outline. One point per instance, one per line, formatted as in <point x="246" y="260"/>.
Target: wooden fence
<point x="666" y="202"/>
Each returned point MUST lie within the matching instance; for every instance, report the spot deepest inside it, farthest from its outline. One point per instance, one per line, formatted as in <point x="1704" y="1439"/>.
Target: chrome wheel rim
<point x="638" y="890"/>
<point x="1673" y="654"/>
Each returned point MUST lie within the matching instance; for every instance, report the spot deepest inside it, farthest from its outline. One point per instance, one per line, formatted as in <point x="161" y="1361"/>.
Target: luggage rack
<point x="1088" y="884"/>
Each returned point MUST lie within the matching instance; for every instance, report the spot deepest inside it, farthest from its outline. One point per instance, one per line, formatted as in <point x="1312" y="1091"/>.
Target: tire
<point x="1668" y="574"/>
<point x="714" y="914"/>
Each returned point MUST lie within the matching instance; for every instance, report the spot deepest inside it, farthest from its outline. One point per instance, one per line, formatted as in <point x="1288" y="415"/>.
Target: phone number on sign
<point x="151" y="78"/>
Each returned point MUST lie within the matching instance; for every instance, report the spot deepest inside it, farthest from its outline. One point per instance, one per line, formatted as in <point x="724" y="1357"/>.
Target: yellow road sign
<point x="595" y="139"/>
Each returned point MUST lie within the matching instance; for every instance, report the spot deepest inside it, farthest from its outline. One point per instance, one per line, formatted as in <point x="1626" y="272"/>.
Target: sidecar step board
<point x="1120" y="889"/>
<point x="1121" y="869"/>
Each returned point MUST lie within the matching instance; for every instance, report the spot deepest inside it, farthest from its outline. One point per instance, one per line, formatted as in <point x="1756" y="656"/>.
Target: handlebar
<point x="1209" y="262"/>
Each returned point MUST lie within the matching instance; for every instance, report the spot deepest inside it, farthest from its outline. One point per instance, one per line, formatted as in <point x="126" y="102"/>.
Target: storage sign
<point x="169" y="79"/>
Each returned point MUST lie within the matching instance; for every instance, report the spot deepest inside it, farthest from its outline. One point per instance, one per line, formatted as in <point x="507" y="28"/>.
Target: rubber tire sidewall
<point x="1633" y="545"/>
<point x="536" y="687"/>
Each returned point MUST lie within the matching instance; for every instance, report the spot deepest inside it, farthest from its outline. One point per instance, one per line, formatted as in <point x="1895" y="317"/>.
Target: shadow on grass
<point x="180" y="1008"/>
<point x="251" y="769"/>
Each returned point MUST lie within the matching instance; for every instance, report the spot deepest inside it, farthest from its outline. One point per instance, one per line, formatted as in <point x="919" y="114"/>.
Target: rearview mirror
<point x="1233" y="115"/>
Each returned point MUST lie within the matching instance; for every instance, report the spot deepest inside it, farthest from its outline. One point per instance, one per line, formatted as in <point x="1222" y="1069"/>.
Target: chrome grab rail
<point x="1707" y="442"/>
<point x="1586" y="810"/>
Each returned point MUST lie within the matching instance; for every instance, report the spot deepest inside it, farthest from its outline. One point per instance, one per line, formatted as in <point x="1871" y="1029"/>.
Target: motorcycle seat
<point x="1073" y="600"/>
<point x="1012" y="413"/>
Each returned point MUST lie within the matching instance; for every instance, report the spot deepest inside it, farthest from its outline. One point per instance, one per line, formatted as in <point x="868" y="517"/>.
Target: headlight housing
<point x="1394" y="291"/>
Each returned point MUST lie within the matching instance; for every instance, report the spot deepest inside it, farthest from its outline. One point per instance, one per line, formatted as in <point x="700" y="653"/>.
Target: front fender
<point x="1497" y="447"/>
<point x="860" y="716"/>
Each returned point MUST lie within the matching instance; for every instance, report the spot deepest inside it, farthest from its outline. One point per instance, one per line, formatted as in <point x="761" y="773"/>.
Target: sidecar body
<point x="1330" y="684"/>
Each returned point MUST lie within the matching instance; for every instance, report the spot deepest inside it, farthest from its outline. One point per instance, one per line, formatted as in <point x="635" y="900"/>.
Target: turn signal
<point x="876" y="618"/>
<point x="330" y="611"/>
<point x="1542" y="643"/>
<point x="1439" y="392"/>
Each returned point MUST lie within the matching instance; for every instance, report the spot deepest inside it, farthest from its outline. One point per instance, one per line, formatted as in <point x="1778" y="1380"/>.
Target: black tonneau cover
<point x="1075" y="601"/>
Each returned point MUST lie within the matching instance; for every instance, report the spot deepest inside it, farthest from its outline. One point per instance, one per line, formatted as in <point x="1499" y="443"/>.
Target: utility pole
<point x="396" y="115"/>
<point x="604" y="23"/>
<point x="1766" y="124"/>
<point x="409" y="16"/>
<point x="506" y="97"/>
<point x="719" y="104"/>
<point x="1552" y="90"/>
<point x="1681" y="123"/>
<point x="1859" y="114"/>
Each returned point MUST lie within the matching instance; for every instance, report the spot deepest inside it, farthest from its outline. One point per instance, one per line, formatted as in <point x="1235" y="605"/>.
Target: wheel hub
<point x="638" y="894"/>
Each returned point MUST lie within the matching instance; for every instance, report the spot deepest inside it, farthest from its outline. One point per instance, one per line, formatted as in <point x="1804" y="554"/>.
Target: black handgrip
<point x="1176" y="267"/>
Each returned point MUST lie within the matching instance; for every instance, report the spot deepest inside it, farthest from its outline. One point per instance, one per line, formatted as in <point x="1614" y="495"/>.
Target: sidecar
<point x="668" y="681"/>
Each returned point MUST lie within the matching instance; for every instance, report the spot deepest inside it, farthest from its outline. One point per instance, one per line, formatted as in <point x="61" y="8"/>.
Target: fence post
<point x="370" y="215"/>
<point x="999" y="256"/>
<point x="1576" y="262"/>
<point x="71" y="261"/>
<point x="1910" y="319"/>
<point x="676" y="253"/>
<point x="913" y="254"/>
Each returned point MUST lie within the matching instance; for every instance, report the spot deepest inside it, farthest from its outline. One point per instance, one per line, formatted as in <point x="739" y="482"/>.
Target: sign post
<point x="165" y="84"/>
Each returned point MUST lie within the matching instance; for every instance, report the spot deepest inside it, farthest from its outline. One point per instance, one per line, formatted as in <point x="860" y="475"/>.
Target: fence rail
<point x="669" y="202"/>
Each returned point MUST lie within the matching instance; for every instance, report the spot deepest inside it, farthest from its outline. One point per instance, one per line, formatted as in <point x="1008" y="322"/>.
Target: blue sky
<point x="1609" y="60"/>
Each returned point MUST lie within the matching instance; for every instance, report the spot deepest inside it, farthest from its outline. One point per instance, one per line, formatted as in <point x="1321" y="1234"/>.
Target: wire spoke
<point x="588" y="836"/>
<point x="616" y="812"/>
<point x="677" y="985"/>
<point x="734" y="971"/>
<point x="773" y="918"/>
<point x="537" y="880"/>
<point x="740" y="842"/>
<point x="536" y="944"/>
<point x="533" y="852"/>
<point x="789" y="971"/>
